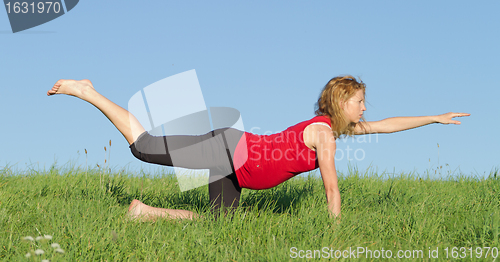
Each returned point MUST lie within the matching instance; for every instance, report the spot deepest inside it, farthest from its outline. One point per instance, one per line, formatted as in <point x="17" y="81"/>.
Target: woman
<point x="256" y="162"/>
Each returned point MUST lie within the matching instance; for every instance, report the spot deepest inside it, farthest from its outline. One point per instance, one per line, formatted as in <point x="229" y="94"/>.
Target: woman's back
<point x="273" y="159"/>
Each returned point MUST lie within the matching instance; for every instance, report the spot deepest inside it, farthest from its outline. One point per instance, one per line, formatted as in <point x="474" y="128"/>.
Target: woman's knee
<point x="151" y="149"/>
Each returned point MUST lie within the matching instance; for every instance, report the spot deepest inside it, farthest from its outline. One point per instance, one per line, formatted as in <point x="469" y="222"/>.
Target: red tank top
<point x="273" y="159"/>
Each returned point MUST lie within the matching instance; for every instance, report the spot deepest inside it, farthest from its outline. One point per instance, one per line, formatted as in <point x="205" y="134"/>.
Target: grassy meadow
<point x="85" y="213"/>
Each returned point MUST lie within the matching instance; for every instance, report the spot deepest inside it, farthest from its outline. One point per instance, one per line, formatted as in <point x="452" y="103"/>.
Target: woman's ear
<point x="341" y="104"/>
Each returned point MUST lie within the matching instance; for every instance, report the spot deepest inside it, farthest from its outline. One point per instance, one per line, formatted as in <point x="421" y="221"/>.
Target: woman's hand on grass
<point x="447" y="118"/>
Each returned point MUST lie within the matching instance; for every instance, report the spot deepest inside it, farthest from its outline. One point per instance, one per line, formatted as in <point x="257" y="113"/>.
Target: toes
<point x="55" y="88"/>
<point x="51" y="91"/>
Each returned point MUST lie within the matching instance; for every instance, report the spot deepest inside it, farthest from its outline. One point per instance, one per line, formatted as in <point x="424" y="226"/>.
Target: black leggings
<point x="213" y="151"/>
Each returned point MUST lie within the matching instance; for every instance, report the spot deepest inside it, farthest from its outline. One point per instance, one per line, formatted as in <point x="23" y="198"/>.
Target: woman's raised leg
<point x="124" y="121"/>
<point x="130" y="128"/>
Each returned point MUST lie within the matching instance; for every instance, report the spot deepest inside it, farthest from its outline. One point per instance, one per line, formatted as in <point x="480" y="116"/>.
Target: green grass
<point x="85" y="214"/>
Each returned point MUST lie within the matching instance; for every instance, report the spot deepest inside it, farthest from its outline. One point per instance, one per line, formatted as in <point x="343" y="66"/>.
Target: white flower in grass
<point x="38" y="238"/>
<point x="45" y="260"/>
<point x="49" y="237"/>
<point x="29" y="238"/>
<point x="28" y="255"/>
<point x="39" y="252"/>
<point x="55" y="245"/>
<point x="59" y="250"/>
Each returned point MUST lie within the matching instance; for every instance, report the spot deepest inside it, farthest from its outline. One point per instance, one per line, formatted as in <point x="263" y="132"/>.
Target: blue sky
<point x="267" y="59"/>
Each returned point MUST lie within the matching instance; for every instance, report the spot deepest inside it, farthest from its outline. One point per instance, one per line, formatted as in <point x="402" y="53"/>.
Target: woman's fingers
<point x="448" y="118"/>
<point x="452" y="115"/>
<point x="461" y="114"/>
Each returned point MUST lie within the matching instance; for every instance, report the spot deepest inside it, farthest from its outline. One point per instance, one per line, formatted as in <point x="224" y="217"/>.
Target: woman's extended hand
<point x="447" y="118"/>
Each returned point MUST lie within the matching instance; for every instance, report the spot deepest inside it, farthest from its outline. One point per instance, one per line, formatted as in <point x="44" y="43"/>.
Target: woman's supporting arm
<point x="324" y="142"/>
<point x="396" y="124"/>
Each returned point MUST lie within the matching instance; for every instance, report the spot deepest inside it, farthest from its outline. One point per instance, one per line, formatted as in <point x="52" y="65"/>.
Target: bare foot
<point x="71" y="87"/>
<point x="135" y="208"/>
<point x="142" y="212"/>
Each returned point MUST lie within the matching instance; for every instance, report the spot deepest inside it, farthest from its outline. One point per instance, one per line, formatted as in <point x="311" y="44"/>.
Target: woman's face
<point x="354" y="107"/>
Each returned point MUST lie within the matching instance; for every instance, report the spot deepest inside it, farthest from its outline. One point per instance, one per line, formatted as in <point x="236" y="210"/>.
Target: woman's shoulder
<point x="316" y="130"/>
<point x="317" y="120"/>
<point x="320" y="119"/>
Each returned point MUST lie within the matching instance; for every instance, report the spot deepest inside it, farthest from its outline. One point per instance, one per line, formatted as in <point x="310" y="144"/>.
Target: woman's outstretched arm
<point x="395" y="124"/>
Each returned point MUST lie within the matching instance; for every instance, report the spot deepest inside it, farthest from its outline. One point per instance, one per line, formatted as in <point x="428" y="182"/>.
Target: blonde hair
<point x="338" y="89"/>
